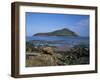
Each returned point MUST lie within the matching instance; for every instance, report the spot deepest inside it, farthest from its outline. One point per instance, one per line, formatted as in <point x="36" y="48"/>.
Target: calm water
<point x="63" y="40"/>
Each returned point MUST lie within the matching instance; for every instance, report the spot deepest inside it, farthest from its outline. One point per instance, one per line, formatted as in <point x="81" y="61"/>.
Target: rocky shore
<point x="56" y="56"/>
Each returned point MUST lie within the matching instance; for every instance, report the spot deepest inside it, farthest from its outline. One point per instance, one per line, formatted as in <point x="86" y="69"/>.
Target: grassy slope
<point x="61" y="32"/>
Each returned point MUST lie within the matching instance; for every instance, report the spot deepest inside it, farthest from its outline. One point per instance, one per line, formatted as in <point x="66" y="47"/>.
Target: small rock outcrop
<point x="45" y="58"/>
<point x="47" y="50"/>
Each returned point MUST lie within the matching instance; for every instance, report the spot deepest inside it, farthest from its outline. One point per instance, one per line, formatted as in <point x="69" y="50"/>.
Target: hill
<point x="61" y="32"/>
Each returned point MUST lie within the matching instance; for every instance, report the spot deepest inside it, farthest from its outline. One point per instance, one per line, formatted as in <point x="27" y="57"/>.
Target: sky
<point x="47" y="22"/>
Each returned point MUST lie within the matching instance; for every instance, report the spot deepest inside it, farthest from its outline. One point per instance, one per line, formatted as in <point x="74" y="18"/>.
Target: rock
<point x="45" y="58"/>
<point x="41" y="60"/>
<point x="47" y="50"/>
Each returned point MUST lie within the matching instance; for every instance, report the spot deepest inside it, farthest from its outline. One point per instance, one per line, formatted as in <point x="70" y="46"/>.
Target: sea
<point x="59" y="40"/>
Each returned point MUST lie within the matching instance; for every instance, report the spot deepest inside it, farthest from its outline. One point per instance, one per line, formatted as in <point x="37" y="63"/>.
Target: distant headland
<point x="60" y="32"/>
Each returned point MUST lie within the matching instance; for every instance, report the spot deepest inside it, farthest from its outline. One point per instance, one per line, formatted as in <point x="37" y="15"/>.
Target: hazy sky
<point x="46" y="22"/>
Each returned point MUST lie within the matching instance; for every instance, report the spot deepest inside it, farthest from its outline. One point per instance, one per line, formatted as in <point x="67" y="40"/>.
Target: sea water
<point x="62" y="40"/>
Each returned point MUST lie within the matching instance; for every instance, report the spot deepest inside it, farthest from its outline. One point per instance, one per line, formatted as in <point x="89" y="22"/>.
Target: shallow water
<point x="59" y="40"/>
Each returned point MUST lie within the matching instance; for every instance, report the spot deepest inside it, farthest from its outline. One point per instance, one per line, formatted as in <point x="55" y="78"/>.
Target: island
<point x="44" y="50"/>
<point x="60" y="32"/>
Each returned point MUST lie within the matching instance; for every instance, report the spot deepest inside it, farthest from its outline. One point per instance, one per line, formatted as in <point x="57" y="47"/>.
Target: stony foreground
<point x="46" y="56"/>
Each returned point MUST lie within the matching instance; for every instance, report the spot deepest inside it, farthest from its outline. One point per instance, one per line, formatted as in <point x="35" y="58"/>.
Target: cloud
<point x="83" y="23"/>
<point x="81" y="27"/>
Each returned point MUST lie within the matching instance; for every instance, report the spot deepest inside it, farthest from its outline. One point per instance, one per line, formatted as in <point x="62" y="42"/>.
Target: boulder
<point x="47" y="50"/>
